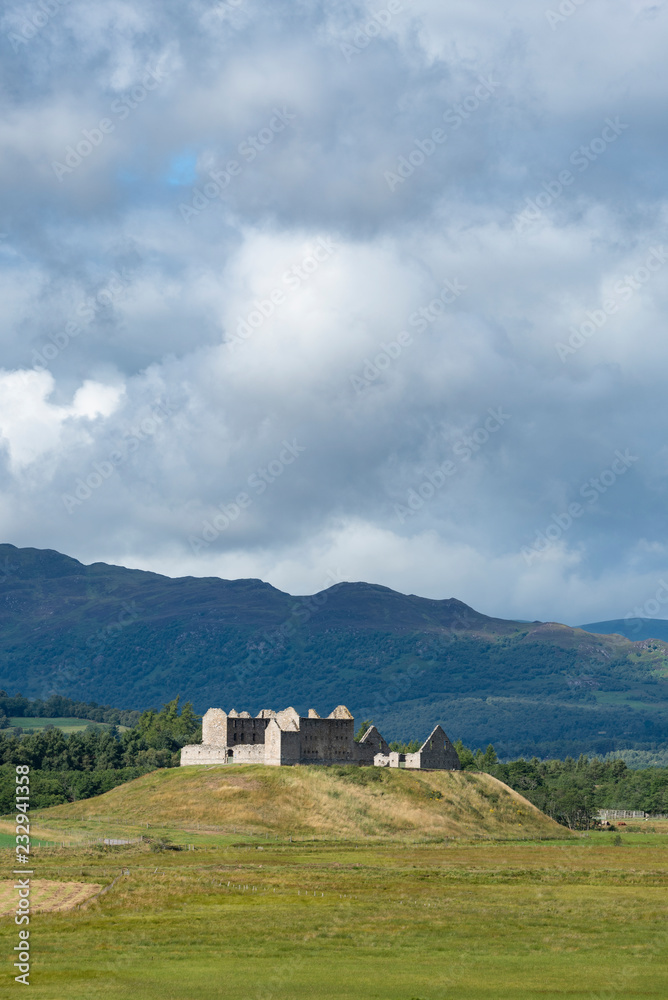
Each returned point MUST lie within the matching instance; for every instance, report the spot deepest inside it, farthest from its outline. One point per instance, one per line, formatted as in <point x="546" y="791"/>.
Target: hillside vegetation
<point x="132" y="639"/>
<point x="349" y="802"/>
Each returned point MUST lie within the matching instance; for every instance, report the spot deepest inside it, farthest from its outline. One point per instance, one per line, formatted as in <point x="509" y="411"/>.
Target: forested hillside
<point x="131" y="639"/>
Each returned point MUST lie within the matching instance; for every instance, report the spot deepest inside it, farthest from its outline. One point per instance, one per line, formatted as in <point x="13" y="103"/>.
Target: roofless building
<point x="286" y="738"/>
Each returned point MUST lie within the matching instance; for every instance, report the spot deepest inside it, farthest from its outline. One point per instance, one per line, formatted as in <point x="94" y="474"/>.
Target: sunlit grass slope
<point x="317" y="801"/>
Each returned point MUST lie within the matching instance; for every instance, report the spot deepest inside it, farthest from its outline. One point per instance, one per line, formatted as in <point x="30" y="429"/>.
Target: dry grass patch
<point x="46" y="896"/>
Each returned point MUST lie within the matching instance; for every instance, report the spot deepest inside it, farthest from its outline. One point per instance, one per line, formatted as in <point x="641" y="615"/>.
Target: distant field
<point x="622" y="698"/>
<point x="68" y="725"/>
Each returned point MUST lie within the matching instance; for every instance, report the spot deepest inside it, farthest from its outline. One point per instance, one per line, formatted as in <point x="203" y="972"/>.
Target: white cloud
<point x="96" y="400"/>
<point x="32" y="427"/>
<point x="186" y="289"/>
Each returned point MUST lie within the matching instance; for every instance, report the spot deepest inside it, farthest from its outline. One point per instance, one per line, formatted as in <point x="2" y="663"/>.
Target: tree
<point x="399" y="746"/>
<point x="167" y="729"/>
<point x="465" y="755"/>
<point x="109" y="751"/>
<point x="364" y="727"/>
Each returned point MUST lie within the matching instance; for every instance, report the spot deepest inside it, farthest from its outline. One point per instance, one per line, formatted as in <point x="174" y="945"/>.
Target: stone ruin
<point x="286" y="738"/>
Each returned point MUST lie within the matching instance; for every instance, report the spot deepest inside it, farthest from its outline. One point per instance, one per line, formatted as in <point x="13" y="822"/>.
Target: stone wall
<point x="437" y="752"/>
<point x="214" y="727"/>
<point x="372" y="743"/>
<point x="327" y="741"/>
<point x="340" y="712"/>
<point x="288" y="719"/>
<point x="248" y="753"/>
<point x="199" y="753"/>
<point x="281" y="746"/>
<point x="243" y="730"/>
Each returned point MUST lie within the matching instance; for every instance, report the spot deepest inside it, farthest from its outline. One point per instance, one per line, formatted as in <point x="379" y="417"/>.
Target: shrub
<point x="164" y="843"/>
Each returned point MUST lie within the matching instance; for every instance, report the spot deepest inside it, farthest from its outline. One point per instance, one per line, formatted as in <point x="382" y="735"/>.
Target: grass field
<point x="383" y="916"/>
<point x="68" y="725"/>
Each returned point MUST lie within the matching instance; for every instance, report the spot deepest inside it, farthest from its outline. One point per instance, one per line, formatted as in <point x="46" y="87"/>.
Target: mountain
<point x="633" y="628"/>
<point x="132" y="639"/>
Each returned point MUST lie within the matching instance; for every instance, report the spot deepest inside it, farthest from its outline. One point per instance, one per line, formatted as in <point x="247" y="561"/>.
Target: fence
<point x="608" y="814"/>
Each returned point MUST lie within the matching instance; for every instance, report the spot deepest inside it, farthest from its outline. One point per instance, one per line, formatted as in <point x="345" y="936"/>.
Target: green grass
<point x="345" y="905"/>
<point x="336" y="921"/>
<point x="68" y="725"/>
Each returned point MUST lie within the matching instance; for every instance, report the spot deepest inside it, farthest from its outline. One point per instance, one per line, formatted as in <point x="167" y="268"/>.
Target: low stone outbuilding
<point x="436" y="754"/>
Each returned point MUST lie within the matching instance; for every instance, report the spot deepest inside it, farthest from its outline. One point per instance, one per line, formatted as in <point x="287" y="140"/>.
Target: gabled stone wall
<point x="372" y="743"/>
<point x="436" y="752"/>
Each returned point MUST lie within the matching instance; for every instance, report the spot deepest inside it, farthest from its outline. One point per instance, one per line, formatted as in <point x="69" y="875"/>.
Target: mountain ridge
<point x="133" y="638"/>
<point x="635" y="629"/>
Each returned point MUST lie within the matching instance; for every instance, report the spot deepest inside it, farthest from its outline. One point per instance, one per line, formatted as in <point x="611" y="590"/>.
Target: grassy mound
<point x="349" y="802"/>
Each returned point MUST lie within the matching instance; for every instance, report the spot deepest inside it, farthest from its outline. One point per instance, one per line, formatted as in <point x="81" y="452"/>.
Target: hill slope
<point x="315" y="801"/>
<point x="133" y="639"/>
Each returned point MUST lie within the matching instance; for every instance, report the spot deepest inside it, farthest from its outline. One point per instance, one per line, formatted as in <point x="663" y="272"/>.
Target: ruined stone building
<point x="288" y="738"/>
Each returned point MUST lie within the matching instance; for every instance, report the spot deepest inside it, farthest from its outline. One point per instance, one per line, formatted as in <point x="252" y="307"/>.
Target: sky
<point x="317" y="292"/>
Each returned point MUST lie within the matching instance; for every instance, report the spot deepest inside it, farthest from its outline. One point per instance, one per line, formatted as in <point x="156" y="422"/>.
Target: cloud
<point x="304" y="297"/>
<point x="32" y="427"/>
<point x="93" y="400"/>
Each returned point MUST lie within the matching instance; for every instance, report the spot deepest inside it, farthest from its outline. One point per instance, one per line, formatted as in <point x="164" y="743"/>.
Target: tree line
<point x="572" y="791"/>
<point x="66" y="768"/>
<point x="84" y="764"/>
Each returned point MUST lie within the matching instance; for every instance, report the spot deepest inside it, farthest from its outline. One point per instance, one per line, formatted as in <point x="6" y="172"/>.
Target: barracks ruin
<point x="285" y="737"/>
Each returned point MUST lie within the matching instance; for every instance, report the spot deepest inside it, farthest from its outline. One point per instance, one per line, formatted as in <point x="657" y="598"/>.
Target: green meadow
<point x="504" y="914"/>
<point x="35" y="724"/>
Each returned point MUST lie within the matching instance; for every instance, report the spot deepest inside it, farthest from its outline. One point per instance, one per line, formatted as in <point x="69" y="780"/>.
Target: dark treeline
<point x="58" y="707"/>
<point x="572" y="791"/>
<point x="66" y="768"/>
